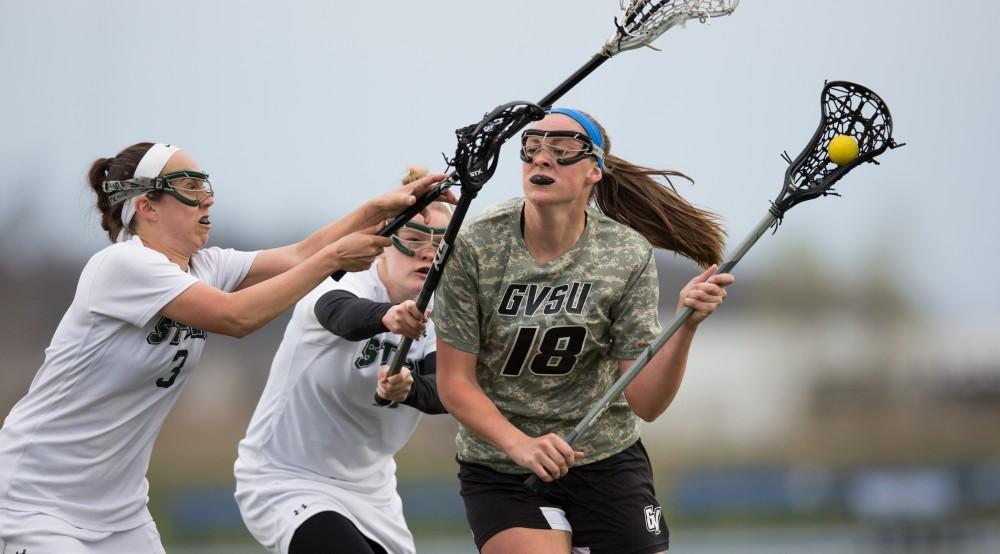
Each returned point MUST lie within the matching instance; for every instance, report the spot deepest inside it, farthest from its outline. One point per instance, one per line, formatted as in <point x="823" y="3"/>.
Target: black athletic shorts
<point x="610" y="505"/>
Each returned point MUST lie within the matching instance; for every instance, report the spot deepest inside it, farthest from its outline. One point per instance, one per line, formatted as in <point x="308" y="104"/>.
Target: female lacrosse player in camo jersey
<point x="545" y="302"/>
<point x="315" y="472"/>
<point x="74" y="451"/>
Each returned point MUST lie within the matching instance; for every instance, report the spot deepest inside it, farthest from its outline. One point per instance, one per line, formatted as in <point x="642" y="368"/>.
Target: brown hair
<point x="118" y="168"/>
<point x="630" y="194"/>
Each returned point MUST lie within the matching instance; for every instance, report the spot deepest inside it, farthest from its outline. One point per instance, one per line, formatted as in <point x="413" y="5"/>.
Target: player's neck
<point x="551" y="231"/>
<point x="172" y="254"/>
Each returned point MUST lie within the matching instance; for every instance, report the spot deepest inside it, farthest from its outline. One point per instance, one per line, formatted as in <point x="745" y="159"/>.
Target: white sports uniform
<point x="316" y="441"/>
<point x="77" y="446"/>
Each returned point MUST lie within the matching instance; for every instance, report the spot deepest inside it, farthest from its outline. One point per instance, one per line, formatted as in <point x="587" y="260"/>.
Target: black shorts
<point x="610" y="505"/>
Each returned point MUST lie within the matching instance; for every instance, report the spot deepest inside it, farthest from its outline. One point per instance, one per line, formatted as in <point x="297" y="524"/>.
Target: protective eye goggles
<point x="190" y="187"/>
<point x="567" y="147"/>
<point x="417" y="238"/>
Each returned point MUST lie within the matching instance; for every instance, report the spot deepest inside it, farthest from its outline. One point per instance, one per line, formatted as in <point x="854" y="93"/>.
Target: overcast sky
<point x="300" y="110"/>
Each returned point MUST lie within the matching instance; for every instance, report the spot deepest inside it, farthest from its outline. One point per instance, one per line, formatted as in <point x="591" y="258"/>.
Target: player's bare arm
<point x="241" y="312"/>
<point x="374" y="212"/>
<point x="655" y="388"/>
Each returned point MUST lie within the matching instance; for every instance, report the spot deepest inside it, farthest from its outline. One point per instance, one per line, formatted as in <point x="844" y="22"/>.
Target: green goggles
<point x="187" y="186"/>
<point x="414" y="237"/>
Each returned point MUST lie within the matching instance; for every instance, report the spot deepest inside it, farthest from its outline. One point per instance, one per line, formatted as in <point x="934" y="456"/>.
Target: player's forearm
<point x="275" y="261"/>
<point x="355" y="220"/>
<point x="656" y="386"/>
<point x="468" y="404"/>
<point x="482" y="417"/>
<point x="251" y="308"/>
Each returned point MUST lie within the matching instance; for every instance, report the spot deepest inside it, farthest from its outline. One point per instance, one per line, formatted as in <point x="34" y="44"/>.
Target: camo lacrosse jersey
<point x="549" y="336"/>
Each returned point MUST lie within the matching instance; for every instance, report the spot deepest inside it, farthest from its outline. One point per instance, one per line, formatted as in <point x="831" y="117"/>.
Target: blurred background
<point x="845" y="399"/>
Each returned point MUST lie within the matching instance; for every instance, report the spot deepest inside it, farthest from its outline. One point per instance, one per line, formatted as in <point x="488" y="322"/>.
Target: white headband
<point x="150" y="166"/>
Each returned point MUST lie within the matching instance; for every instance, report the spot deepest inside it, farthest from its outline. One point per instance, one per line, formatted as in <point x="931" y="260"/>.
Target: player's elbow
<point x="241" y="330"/>
<point x="649" y="411"/>
<point x="237" y="325"/>
<point x="648" y="416"/>
<point x="445" y="394"/>
<point x="449" y="392"/>
<point x="237" y="329"/>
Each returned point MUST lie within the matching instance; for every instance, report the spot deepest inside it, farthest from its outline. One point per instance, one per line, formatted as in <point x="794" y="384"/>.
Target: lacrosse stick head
<point x="479" y="145"/>
<point x="642" y="21"/>
<point x="846" y="109"/>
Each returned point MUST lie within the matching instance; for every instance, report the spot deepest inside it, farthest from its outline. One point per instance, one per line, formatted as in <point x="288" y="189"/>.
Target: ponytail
<point x="631" y="195"/>
<point x="119" y="168"/>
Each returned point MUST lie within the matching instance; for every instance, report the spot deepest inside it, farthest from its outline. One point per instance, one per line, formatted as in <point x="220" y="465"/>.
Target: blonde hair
<point x="415" y="172"/>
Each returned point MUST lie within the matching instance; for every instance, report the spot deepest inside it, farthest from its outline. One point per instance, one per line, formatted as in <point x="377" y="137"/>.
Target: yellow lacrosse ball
<point x="843" y="149"/>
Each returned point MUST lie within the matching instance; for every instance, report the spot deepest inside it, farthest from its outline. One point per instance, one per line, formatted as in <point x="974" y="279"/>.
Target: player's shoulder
<point x="497" y="214"/>
<point x="210" y="261"/>
<point x="363" y="284"/>
<point x="618" y="241"/>
<point x="210" y="255"/>
<point x="494" y="222"/>
<point x="121" y="256"/>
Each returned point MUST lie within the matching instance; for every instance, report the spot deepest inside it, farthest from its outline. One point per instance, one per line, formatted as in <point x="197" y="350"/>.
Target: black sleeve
<point x="350" y="317"/>
<point x="424" y="392"/>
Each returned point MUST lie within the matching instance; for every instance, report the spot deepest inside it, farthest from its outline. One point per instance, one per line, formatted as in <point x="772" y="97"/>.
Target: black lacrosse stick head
<point x="479" y="145"/>
<point x="847" y="109"/>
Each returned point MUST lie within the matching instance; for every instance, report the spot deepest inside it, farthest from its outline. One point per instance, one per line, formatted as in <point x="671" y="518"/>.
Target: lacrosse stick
<point x="475" y="161"/>
<point x="846" y="109"/>
<point x="641" y="22"/>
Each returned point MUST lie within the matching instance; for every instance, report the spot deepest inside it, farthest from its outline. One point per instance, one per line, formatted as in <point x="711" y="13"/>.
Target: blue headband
<point x="588" y="126"/>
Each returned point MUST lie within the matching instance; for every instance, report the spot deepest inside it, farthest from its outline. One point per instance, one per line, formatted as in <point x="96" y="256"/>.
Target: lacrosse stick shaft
<point x="433" y="276"/>
<point x="533" y="482"/>
<point x="573" y="80"/>
<point x="546" y="102"/>
<point x="401" y="219"/>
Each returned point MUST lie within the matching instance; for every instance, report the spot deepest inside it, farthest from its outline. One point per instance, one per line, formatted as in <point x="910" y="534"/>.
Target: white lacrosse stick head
<point x="642" y="21"/>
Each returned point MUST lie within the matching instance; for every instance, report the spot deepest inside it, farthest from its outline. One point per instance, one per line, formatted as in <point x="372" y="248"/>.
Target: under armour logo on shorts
<point x="653" y="519"/>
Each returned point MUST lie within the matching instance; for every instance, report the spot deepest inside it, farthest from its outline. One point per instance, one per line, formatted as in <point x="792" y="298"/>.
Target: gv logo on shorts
<point x="653" y="519"/>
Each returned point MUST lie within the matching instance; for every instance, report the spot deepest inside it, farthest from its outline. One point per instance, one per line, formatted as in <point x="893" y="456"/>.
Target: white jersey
<point x="77" y="446"/>
<point x="316" y="440"/>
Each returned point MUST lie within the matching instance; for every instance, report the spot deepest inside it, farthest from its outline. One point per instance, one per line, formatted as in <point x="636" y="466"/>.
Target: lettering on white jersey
<point x="167" y="328"/>
<point x="370" y="354"/>
<point x="527" y="299"/>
